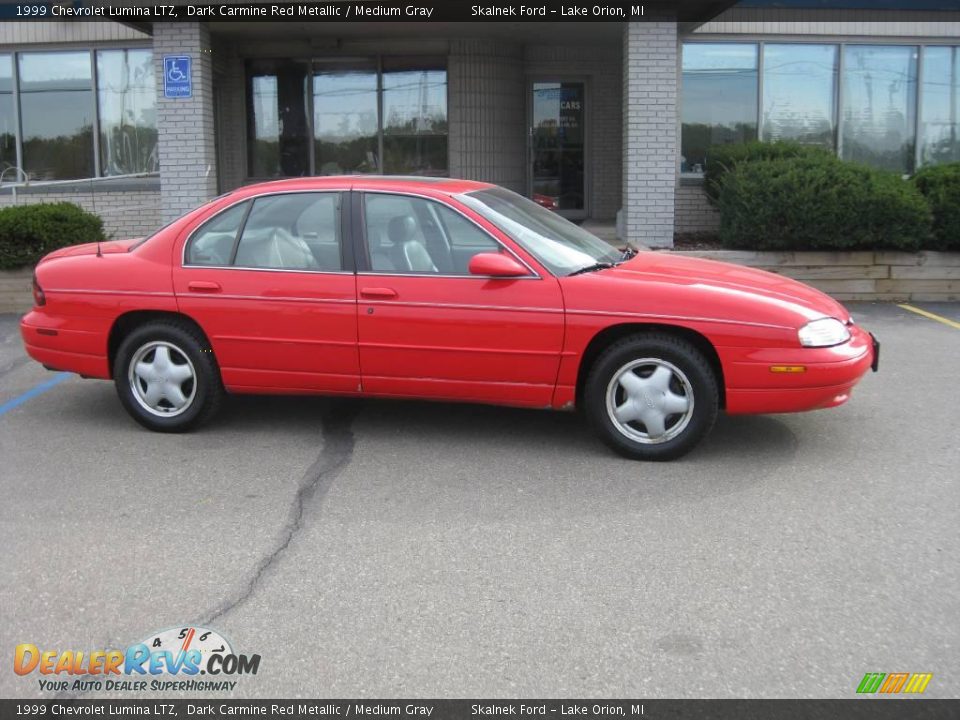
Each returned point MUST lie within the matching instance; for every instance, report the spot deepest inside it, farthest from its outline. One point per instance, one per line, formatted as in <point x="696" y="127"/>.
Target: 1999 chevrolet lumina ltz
<point x="438" y="289"/>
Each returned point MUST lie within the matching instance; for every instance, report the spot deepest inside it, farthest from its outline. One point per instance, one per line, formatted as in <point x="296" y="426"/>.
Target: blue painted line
<point x="33" y="392"/>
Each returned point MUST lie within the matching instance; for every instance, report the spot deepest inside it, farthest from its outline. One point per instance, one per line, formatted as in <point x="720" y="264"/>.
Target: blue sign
<point x="177" y="76"/>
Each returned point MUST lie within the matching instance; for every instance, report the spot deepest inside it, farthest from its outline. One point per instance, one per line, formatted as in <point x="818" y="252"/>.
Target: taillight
<point x="39" y="299"/>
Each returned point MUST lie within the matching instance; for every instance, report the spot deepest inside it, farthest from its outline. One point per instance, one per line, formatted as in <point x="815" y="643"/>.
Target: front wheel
<point x="166" y="377"/>
<point x="652" y="397"/>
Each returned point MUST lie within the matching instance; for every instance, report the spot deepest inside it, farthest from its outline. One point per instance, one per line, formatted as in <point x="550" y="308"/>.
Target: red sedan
<point x="437" y="289"/>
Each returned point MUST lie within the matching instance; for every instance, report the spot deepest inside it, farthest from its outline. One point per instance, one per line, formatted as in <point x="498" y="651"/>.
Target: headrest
<point x="401" y="228"/>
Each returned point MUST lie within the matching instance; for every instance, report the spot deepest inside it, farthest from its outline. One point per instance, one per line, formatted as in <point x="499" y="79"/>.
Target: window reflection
<point x="8" y="121"/>
<point x="356" y="111"/>
<point x="279" y="141"/>
<point x="57" y="109"/>
<point x="345" y="121"/>
<point x="879" y="106"/>
<point x="940" y="111"/>
<point x="558" y="147"/>
<point x="799" y="91"/>
<point x="719" y="99"/>
<point x="414" y="118"/>
<point x="128" y="122"/>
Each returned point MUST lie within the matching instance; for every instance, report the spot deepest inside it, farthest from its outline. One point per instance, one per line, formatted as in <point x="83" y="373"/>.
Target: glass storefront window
<point x="8" y="120"/>
<point x="940" y="106"/>
<point x="719" y="99"/>
<point x="558" y="145"/>
<point x="799" y="93"/>
<point x="128" y="119"/>
<point x="414" y="117"/>
<point x="279" y="142"/>
<point x="57" y="115"/>
<point x="345" y="121"/>
<point x="358" y="111"/>
<point x="879" y="92"/>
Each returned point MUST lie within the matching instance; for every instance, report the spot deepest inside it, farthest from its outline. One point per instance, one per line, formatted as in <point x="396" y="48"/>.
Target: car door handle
<point x="378" y="292"/>
<point x="202" y="286"/>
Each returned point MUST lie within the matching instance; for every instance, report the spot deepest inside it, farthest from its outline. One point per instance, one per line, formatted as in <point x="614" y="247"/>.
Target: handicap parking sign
<point x="177" y="76"/>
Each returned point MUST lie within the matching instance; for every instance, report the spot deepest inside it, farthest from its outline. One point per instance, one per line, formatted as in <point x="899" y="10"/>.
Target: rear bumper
<point x="54" y="343"/>
<point x="829" y="376"/>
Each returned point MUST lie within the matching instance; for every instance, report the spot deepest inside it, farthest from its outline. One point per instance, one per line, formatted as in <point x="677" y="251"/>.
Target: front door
<point x="428" y="328"/>
<point x="558" y="147"/>
<point x="268" y="281"/>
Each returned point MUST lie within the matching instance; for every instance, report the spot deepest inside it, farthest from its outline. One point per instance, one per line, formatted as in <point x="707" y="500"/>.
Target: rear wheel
<point x="652" y="397"/>
<point x="166" y="377"/>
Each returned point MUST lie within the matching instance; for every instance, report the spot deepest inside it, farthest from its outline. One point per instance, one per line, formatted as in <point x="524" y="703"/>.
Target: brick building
<point x="609" y="123"/>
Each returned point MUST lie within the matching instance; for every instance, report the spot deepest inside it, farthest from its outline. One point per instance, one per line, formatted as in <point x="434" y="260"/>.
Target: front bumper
<point x="829" y="376"/>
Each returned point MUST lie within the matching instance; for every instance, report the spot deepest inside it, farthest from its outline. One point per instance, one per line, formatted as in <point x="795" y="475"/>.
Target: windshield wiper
<point x="592" y="268"/>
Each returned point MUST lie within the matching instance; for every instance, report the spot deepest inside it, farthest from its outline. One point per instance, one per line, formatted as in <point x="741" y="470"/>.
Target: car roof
<point x="416" y="183"/>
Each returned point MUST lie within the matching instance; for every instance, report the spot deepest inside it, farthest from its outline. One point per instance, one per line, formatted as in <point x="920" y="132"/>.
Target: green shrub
<point x="940" y="185"/>
<point x="28" y="232"/>
<point x="721" y="159"/>
<point x="820" y="202"/>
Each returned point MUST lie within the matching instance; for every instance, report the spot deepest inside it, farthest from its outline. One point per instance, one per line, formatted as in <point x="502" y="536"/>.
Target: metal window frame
<point x="45" y="49"/>
<point x="588" y="159"/>
<point x="312" y="64"/>
<point x="841" y="43"/>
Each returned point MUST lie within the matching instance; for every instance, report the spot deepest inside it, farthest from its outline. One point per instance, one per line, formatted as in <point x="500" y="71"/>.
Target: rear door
<point x="271" y="281"/>
<point x="428" y="328"/>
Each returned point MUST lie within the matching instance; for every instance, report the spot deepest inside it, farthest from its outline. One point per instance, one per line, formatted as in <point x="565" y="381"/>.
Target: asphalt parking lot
<point x="387" y="549"/>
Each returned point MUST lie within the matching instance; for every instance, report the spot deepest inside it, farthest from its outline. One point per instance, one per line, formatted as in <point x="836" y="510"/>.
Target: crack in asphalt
<point x="338" y="443"/>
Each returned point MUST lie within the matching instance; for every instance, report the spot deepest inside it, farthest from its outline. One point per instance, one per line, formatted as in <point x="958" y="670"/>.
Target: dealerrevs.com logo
<point x="168" y="660"/>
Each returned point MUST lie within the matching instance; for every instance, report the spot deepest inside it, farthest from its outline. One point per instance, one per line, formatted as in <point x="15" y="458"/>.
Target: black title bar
<point x="859" y="709"/>
<point x="146" y="11"/>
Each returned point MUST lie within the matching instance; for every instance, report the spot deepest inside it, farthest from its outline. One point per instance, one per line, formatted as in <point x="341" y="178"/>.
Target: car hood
<point x="674" y="283"/>
<point x="107" y="247"/>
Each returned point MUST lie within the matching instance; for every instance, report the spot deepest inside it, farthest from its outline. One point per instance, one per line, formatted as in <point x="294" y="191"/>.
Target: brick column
<point x="650" y="131"/>
<point x="487" y="112"/>
<point x="188" y="167"/>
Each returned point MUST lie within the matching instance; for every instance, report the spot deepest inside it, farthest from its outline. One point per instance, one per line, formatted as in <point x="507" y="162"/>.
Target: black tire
<point x="183" y="342"/>
<point x="696" y="378"/>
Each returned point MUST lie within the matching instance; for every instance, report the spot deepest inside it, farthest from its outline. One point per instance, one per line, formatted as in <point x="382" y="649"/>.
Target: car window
<point x="414" y="235"/>
<point x="212" y="243"/>
<point x="296" y="231"/>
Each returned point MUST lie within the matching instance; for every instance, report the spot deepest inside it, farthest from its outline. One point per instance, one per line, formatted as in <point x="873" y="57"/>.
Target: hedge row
<point x="28" y="232"/>
<point x="784" y="196"/>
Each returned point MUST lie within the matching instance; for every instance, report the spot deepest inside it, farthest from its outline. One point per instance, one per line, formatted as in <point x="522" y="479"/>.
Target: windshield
<point x="556" y="242"/>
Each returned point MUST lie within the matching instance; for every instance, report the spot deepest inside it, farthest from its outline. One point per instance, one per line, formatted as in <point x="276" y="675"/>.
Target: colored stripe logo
<point x="892" y="683"/>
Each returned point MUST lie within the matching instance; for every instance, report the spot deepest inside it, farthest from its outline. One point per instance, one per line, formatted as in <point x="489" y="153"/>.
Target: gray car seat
<point x="408" y="252"/>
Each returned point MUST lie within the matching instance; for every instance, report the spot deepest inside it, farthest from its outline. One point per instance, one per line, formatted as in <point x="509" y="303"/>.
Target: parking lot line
<point x="33" y="392"/>
<point x="932" y="316"/>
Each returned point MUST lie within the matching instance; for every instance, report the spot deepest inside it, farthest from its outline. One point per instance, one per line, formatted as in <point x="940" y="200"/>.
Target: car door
<point x="271" y="281"/>
<point x="428" y="328"/>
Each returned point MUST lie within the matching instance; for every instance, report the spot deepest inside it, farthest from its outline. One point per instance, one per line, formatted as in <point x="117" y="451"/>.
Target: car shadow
<point x="760" y="438"/>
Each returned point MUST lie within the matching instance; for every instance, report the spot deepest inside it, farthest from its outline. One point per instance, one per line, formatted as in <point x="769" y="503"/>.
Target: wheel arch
<point x="609" y="335"/>
<point x="129" y="321"/>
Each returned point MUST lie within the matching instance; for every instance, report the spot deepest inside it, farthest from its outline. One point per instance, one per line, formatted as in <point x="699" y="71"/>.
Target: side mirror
<point x="499" y="265"/>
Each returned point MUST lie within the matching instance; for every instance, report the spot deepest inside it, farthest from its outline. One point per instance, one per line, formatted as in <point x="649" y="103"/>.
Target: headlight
<point x="823" y="333"/>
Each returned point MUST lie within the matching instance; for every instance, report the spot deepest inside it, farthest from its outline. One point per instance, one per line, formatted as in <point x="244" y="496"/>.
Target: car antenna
<point x="93" y="202"/>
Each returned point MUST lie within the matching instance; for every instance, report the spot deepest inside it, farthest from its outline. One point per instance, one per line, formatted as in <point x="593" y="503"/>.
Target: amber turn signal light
<point x="790" y="369"/>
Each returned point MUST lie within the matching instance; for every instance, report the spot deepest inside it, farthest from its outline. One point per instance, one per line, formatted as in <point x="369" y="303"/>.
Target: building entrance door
<point x="558" y="178"/>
